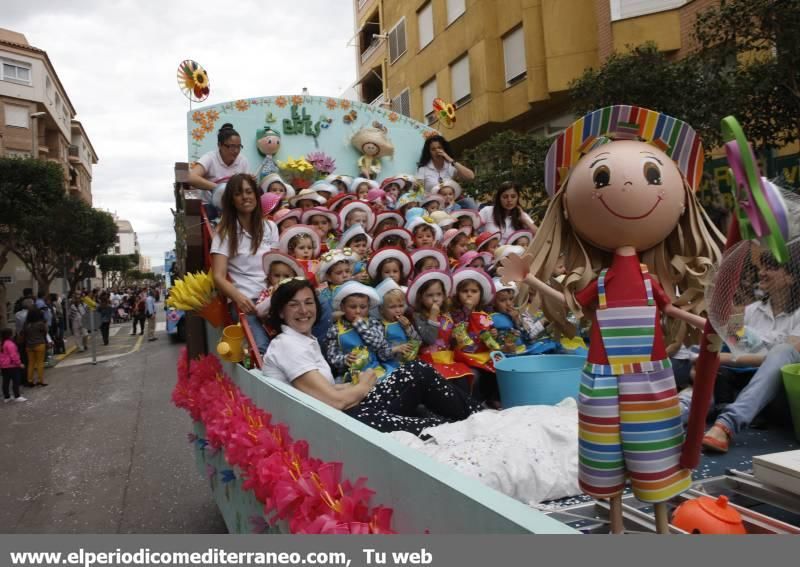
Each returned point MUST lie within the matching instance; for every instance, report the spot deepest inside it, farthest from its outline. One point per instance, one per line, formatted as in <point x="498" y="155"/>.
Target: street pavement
<point x="102" y="449"/>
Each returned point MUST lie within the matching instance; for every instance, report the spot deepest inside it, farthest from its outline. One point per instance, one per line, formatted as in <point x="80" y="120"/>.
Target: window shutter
<point x="397" y="41"/>
<point x="621" y="9"/>
<point x="459" y="76"/>
<point x="16" y="115"/>
<point x="514" y="55"/>
<point x="429" y="92"/>
<point x="402" y="103"/>
<point x="425" y="25"/>
<point x="454" y="9"/>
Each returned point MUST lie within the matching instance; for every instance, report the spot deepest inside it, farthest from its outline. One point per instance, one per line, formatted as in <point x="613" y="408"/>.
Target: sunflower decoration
<point x="193" y="81"/>
<point x="445" y="112"/>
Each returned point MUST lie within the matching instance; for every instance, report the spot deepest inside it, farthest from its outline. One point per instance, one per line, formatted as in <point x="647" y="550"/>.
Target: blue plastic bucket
<point x="538" y="379"/>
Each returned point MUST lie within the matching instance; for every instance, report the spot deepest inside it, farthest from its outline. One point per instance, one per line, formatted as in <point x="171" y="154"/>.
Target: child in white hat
<point x="357" y="239"/>
<point x="335" y="268"/>
<point x="356" y="342"/>
<point x="516" y="328"/>
<point x="401" y="335"/>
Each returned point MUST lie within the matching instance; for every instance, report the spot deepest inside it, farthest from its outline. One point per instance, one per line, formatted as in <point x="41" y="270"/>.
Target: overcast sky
<point x="117" y="60"/>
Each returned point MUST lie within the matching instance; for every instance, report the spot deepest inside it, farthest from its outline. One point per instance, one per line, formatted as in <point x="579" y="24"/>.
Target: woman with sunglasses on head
<point x="241" y="239"/>
<point x="773" y="323"/>
<point x="294" y="357"/>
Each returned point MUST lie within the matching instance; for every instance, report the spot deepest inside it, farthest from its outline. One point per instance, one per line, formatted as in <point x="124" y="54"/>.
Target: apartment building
<point x="37" y="118"/>
<point x="503" y="63"/>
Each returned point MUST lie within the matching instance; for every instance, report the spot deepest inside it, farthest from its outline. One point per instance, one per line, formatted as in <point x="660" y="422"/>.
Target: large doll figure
<point x="625" y="216"/>
<point x="268" y="144"/>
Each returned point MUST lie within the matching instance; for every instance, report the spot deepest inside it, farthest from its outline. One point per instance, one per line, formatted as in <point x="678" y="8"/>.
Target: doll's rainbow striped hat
<point x="623" y="122"/>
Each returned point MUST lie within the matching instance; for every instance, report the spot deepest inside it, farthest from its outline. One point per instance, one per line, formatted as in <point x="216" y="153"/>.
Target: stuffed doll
<point x="373" y="143"/>
<point x="623" y="211"/>
<point x="268" y="144"/>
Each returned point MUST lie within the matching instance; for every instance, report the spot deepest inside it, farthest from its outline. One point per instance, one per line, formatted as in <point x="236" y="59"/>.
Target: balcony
<point x="371" y="48"/>
<point x="74" y="154"/>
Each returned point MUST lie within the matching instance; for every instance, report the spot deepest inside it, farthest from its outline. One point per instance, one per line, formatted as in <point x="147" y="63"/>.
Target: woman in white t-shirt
<point x="506" y="214"/>
<point x="294" y="357"/>
<point x="241" y="240"/>
<point x="217" y="166"/>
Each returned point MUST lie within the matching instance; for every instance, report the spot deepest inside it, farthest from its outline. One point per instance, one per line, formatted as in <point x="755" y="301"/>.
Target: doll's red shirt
<point x="624" y="288"/>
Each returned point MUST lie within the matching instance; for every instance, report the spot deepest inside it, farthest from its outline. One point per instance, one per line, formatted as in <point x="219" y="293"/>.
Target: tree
<point x="90" y="233"/>
<point x="31" y="192"/>
<point x="685" y="89"/>
<point x="116" y="266"/>
<point x="747" y="64"/>
<point x="754" y="46"/>
<point x="510" y="156"/>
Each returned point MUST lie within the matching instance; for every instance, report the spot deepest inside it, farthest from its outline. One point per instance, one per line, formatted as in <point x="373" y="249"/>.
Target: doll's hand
<point x="514" y="268"/>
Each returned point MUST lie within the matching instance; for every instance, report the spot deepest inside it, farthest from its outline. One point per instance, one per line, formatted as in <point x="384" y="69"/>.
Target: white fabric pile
<point x="529" y="452"/>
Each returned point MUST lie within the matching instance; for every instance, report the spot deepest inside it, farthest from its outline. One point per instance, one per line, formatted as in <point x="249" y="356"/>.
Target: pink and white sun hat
<point x="450" y="235"/>
<point x="286" y="214"/>
<point x="472" y="214"/>
<point x="272" y="178"/>
<point x="272" y="257"/>
<point x="517" y="234"/>
<point x="422" y="279"/>
<point x="478" y="276"/>
<point x="380" y="238"/>
<point x="402" y="256"/>
<point x="321" y="211"/>
<point x="292" y="231"/>
<point x="357" y="206"/>
<point x="448" y="183"/>
<point x="435" y="253"/>
<point x="351" y="233"/>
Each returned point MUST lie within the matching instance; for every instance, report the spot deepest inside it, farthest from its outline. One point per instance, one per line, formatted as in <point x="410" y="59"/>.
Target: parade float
<point x="280" y="461"/>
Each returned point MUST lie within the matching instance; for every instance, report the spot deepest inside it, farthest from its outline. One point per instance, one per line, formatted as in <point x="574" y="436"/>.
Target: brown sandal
<point x="716" y="445"/>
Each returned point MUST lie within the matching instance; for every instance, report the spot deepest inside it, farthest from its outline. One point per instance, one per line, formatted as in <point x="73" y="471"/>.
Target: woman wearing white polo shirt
<point x="241" y="239"/>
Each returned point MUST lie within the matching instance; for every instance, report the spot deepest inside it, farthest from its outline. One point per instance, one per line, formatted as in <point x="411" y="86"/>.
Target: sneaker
<point x="6" y="400"/>
<point x="20" y="399"/>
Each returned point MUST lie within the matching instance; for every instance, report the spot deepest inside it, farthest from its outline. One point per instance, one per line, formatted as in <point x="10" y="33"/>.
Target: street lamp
<point x="34" y="133"/>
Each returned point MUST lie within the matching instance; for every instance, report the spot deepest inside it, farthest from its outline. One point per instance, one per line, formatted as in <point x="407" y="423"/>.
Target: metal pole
<point x="64" y="296"/>
<point x="91" y="325"/>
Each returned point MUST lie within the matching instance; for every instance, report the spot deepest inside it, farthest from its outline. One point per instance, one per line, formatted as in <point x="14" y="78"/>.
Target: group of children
<point x="401" y="275"/>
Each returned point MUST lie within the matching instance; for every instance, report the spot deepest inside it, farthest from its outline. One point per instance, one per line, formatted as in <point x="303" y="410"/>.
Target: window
<point x="621" y="9"/>
<point x="16" y="72"/>
<point x="459" y="77"/>
<point x="425" y="24"/>
<point x="7" y="280"/>
<point x="397" y="40"/>
<point x="514" y="55"/>
<point x="48" y="87"/>
<point x="17" y="115"/>
<point x="454" y="10"/>
<point x="429" y="92"/>
<point x="402" y="103"/>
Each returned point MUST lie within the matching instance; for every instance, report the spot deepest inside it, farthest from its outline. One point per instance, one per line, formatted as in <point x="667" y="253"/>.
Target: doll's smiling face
<point x="625" y="193"/>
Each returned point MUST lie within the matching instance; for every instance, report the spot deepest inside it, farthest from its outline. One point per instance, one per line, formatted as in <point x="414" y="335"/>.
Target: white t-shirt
<point x="292" y="354"/>
<point x="217" y="171"/>
<point x="771" y="330"/>
<point x="245" y="268"/>
<point x="430" y="176"/>
<point x="487" y="216"/>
